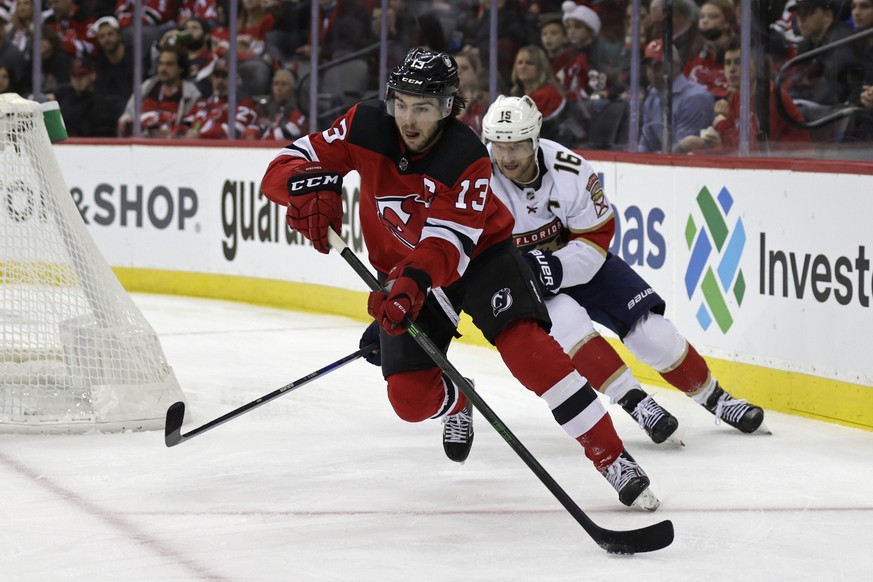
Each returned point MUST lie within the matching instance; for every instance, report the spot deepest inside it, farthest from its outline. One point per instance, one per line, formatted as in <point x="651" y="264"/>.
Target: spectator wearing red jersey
<point x="724" y="135"/>
<point x="532" y="75"/>
<point x="717" y="24"/>
<point x="72" y="27"/>
<point x="208" y="119"/>
<point x="204" y="9"/>
<point x="574" y="64"/>
<point x="154" y="12"/>
<point x="157" y="17"/>
<point x="279" y="117"/>
<point x="553" y="36"/>
<point x="167" y="97"/>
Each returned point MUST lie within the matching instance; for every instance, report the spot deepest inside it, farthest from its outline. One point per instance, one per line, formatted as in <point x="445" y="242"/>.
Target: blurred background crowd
<point x="574" y="58"/>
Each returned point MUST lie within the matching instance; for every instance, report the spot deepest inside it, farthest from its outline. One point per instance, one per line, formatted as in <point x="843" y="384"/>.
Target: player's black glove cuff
<point x="314" y="178"/>
<point x="371" y="336"/>
<point x="547" y="271"/>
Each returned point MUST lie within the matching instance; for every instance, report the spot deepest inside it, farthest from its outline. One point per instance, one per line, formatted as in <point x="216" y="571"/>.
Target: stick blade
<point x="173" y="424"/>
<point x="648" y="539"/>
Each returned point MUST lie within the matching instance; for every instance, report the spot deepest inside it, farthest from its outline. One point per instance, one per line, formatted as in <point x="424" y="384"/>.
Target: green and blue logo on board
<point x="716" y="239"/>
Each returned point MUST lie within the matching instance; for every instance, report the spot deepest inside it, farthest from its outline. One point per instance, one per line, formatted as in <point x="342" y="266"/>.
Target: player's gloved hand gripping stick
<point x="647" y="539"/>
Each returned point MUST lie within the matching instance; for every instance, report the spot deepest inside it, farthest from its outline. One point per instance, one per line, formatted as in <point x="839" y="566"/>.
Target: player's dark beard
<point x="430" y="141"/>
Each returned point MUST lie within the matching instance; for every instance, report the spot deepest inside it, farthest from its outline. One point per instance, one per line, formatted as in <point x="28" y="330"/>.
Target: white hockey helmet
<point x="512" y="119"/>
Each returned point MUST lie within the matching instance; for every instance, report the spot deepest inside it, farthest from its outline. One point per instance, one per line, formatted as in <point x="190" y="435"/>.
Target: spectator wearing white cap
<point x="573" y="69"/>
<point x="113" y="65"/>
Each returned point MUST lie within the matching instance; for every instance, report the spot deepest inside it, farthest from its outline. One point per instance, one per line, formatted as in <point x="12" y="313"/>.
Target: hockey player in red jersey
<point x="564" y="224"/>
<point x="441" y="243"/>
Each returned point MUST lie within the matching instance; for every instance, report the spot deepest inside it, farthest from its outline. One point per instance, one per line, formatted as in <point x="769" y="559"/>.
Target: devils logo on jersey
<point x="398" y="215"/>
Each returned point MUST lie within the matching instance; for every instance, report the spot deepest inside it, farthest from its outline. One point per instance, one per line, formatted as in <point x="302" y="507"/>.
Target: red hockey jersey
<point x="433" y="210"/>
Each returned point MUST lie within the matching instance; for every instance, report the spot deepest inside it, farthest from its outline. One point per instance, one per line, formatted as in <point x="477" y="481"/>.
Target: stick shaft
<point x="173" y="426"/>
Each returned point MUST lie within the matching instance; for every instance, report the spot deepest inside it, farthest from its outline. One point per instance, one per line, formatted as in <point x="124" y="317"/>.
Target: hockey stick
<point x="176" y="413"/>
<point x="647" y="539"/>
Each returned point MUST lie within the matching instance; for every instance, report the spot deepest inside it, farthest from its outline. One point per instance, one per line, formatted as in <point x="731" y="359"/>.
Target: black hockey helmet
<point x="426" y="74"/>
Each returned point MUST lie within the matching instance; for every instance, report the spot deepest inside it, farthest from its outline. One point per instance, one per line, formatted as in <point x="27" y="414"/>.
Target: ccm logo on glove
<point x="309" y="183"/>
<point x="315" y="203"/>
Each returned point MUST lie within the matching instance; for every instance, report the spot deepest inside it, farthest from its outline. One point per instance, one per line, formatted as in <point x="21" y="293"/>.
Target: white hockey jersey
<point x="564" y="210"/>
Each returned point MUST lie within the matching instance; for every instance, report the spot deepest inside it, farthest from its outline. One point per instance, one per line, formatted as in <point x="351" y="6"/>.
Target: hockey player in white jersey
<point x="565" y="224"/>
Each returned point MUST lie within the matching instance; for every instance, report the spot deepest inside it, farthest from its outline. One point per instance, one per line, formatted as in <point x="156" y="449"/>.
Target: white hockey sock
<point x="621" y="386"/>
<point x="702" y="396"/>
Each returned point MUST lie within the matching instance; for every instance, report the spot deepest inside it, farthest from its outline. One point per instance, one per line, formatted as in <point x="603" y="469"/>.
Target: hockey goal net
<point x="76" y="354"/>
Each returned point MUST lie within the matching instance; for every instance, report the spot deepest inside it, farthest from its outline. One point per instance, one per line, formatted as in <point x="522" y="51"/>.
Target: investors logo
<point x="714" y="280"/>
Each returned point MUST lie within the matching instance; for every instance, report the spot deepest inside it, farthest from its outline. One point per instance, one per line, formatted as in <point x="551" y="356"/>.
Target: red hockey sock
<point x="421" y="394"/>
<point x="691" y="374"/>
<point x="602" y="444"/>
<point x="532" y="355"/>
<point x="597" y="361"/>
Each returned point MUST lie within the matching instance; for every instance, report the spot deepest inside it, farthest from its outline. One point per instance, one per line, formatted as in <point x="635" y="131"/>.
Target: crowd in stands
<point x="572" y="57"/>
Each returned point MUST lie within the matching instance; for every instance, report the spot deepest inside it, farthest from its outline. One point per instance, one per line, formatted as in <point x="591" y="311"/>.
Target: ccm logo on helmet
<point x="412" y="81"/>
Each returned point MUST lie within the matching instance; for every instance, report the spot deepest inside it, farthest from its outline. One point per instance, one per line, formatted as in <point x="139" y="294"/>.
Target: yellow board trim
<point x="791" y="392"/>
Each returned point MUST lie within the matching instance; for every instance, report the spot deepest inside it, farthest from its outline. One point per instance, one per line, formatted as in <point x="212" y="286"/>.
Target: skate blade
<point x="647" y="500"/>
<point x="763" y="429"/>
<point x="674" y="440"/>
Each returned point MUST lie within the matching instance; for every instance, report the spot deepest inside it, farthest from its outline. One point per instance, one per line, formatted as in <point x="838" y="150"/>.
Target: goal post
<point x="76" y="354"/>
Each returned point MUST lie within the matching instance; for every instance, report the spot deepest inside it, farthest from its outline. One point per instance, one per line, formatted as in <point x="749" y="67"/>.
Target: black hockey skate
<point x="631" y="482"/>
<point x="458" y="434"/>
<point x="652" y="418"/>
<point x="737" y="412"/>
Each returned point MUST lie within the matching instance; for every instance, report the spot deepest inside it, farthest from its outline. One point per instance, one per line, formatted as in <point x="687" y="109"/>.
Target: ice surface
<point x="326" y="484"/>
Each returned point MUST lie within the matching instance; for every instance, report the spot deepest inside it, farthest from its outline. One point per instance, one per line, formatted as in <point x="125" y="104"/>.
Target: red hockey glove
<point x="315" y="203"/>
<point x="405" y="297"/>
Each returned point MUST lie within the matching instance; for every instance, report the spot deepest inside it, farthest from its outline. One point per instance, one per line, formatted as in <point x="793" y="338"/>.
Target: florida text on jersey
<point x="563" y="210"/>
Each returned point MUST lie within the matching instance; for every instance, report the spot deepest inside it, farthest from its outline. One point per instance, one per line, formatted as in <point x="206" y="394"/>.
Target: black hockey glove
<point x="371" y="335"/>
<point x="547" y="271"/>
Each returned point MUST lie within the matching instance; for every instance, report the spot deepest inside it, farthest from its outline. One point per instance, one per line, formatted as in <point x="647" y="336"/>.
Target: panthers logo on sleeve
<point x="595" y="190"/>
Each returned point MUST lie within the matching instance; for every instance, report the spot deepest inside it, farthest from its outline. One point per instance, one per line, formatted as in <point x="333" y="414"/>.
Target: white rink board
<point x="200" y="212"/>
<point x="801" y="325"/>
